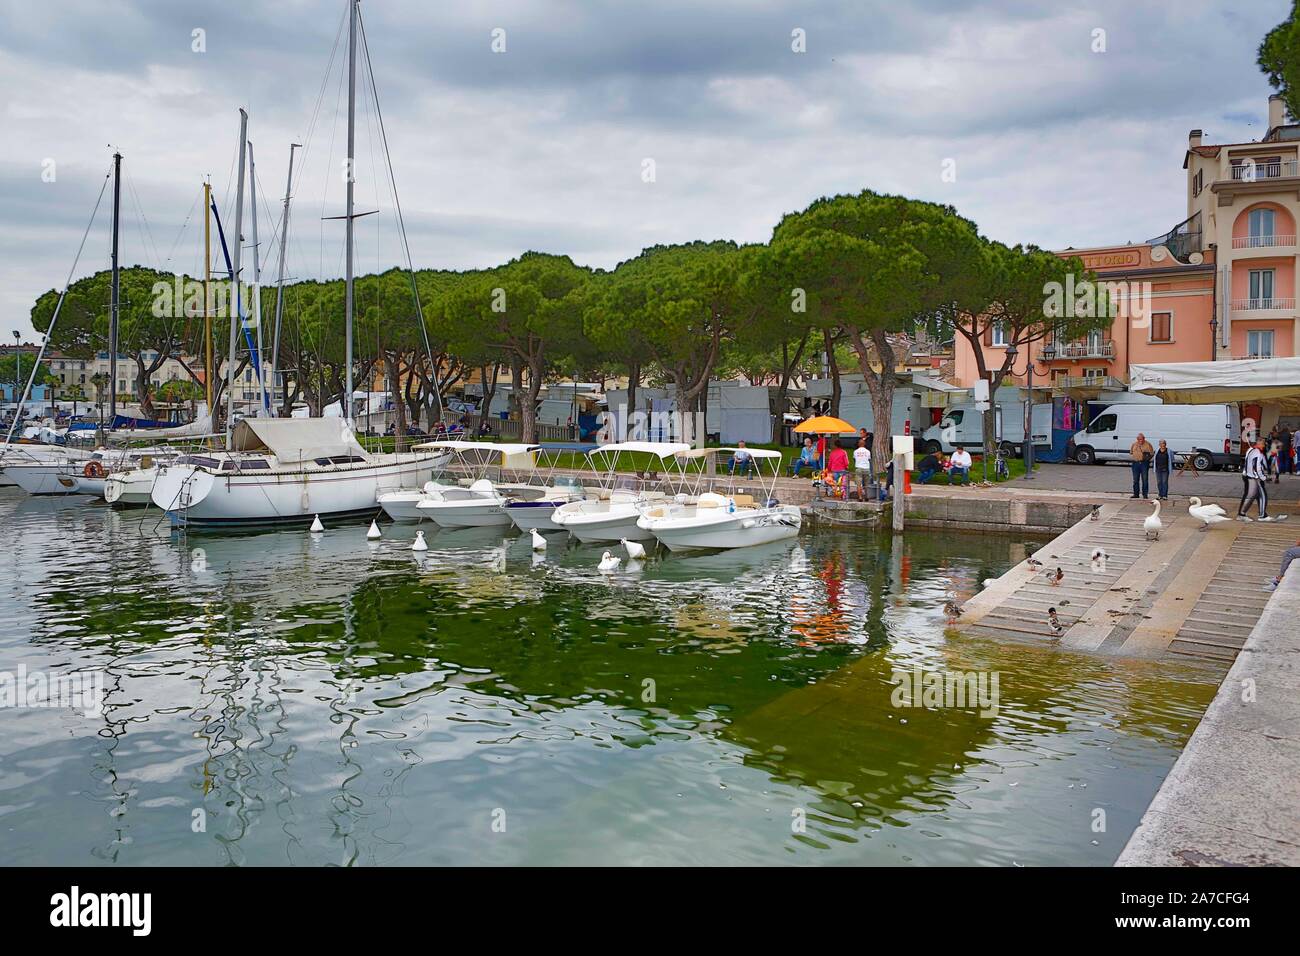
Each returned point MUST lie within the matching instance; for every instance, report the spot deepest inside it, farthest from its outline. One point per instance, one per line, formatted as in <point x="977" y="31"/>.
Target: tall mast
<point x="117" y="292"/>
<point x="207" y="295"/>
<point x="236" y="315"/>
<point x="352" y="139"/>
<point x="279" y="281"/>
<point x="257" y="278"/>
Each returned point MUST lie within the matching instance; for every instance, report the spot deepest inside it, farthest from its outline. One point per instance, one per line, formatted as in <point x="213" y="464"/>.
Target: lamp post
<point x="1028" y="443"/>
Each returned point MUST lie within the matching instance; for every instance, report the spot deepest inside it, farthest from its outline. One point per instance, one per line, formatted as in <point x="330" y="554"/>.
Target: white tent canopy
<point x="1266" y="381"/>
<point x="297" y="439"/>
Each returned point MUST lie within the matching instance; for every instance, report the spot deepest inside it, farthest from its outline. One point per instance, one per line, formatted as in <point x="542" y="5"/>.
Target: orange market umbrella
<point x="824" y="425"/>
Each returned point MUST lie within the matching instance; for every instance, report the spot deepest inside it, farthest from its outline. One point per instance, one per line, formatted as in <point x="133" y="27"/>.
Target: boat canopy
<point x="702" y="452"/>
<point x="662" y="449"/>
<point x="297" y="439"/>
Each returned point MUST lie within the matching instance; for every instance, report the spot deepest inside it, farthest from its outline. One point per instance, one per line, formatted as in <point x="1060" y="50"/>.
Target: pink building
<point x="1220" y="285"/>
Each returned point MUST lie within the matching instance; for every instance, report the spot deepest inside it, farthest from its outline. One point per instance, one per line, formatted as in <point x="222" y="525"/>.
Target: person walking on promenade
<point x="1289" y="555"/>
<point x="1255" y="469"/>
<point x="1140" y="454"/>
<point x="1163" y="460"/>
<point x="862" y="469"/>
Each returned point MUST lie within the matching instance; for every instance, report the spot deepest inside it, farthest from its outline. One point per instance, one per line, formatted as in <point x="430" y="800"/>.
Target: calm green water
<point x="326" y="701"/>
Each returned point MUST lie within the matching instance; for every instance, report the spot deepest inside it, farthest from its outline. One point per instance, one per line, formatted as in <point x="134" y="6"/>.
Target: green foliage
<point x="11" y="367"/>
<point x="1279" y="58"/>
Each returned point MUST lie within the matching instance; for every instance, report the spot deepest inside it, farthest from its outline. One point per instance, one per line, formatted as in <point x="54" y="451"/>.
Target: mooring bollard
<point x="900" y="501"/>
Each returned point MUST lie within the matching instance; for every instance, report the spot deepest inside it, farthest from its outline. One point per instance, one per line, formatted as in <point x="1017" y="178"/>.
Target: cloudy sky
<point x="544" y="146"/>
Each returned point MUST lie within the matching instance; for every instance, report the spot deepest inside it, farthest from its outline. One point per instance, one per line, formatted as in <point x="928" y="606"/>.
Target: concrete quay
<point x="1233" y="797"/>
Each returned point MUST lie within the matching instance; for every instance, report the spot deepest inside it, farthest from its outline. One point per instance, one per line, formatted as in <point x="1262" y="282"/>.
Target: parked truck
<point x="962" y="426"/>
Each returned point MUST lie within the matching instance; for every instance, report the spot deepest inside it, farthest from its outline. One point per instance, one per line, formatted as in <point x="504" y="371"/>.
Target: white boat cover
<point x="756" y="452"/>
<point x="1266" y="381"/>
<point x="663" y="449"/>
<point x="297" y="439"/>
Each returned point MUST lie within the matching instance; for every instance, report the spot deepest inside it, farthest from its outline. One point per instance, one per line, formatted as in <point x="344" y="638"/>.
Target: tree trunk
<point x="833" y="369"/>
<point x="528" y="405"/>
<point x="393" y="368"/>
<point x="633" y="380"/>
<point x="880" y="385"/>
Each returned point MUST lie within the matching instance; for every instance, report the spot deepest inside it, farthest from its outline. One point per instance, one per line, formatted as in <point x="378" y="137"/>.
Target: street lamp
<point x="1028" y="444"/>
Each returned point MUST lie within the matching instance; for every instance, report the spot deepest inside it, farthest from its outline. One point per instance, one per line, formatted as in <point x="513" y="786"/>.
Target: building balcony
<point x="1262" y="242"/>
<point x="1254" y="172"/>
<point x="1271" y="305"/>
<point x="1072" y="351"/>
<point x="1097" y="383"/>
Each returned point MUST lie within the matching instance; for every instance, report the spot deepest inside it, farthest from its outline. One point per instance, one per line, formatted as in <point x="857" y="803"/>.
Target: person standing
<point x="1163" y="461"/>
<point x="838" y="465"/>
<point x="1284" y="440"/>
<point x="862" y="470"/>
<point x="1140" y="454"/>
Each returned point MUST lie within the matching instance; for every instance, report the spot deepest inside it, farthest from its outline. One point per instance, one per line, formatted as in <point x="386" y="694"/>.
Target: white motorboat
<point x="712" y="521"/>
<point x="45" y="478"/>
<point x="284" y="470"/>
<point x="481" y="505"/>
<point x="528" y="514"/>
<point x="402" y="505"/>
<point x="612" y="515"/>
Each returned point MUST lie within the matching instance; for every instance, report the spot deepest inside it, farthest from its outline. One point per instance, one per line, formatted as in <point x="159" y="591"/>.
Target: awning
<point x="660" y="449"/>
<point x="755" y="452"/>
<point x="297" y="439"/>
<point x="1266" y="381"/>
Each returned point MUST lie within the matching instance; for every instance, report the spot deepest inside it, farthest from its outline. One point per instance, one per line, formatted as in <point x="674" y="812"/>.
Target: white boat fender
<point x="316" y="526"/>
<point x="418" y="544"/>
<point x="539" y="542"/>
<point x="747" y="523"/>
<point x="373" y="534"/>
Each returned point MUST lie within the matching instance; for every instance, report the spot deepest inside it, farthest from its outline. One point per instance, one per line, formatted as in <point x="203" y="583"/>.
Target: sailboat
<point x="278" y="470"/>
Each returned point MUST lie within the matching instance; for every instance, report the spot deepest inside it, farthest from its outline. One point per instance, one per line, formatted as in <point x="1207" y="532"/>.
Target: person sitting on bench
<point x="742" y="461"/>
<point x="807" y="459"/>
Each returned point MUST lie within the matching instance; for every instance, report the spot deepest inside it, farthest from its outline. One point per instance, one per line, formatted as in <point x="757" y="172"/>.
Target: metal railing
<point x="1079" y="350"/>
<point x="1262" y="304"/>
<point x="1261" y="242"/>
<point x="1106" y="382"/>
<point x="1251" y="172"/>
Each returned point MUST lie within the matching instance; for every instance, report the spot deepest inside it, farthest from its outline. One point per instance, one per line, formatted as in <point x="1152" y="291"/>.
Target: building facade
<point x="1219" y="285"/>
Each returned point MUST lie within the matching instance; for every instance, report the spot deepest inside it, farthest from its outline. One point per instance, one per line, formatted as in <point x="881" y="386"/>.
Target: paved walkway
<point x="1188" y="592"/>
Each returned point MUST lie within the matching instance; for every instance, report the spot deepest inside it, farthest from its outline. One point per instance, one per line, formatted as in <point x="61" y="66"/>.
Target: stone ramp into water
<point x="1188" y="593"/>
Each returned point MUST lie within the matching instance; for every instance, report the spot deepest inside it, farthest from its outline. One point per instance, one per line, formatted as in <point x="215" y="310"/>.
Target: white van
<point x="962" y="426"/>
<point x="1209" y="433"/>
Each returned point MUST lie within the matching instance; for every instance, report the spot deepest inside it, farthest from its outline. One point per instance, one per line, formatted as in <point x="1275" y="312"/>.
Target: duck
<point x="609" y="563"/>
<point x="373" y="533"/>
<point x="1153" y="525"/>
<point x="1096" y="513"/>
<point x="1099" y="559"/>
<point x="952" y="609"/>
<point x="1206" y="514"/>
<point x="634" y="551"/>
<point x="1054" y="622"/>
<point x="539" y="542"/>
<point x="1056" y="577"/>
<point x="418" y="544"/>
<point x="1034" y="563"/>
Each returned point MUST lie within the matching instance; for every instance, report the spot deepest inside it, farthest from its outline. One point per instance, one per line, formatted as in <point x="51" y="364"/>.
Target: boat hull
<point x="729" y="530"/>
<point x="132" y="489"/>
<point x="534" y="515"/>
<point x="615" y="523"/>
<point x="44" y="479"/>
<point x="196" y="497"/>
<point x="487" y="513"/>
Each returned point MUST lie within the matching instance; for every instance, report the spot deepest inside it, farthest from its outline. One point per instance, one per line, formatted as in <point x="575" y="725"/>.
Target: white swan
<point x="418" y="544"/>
<point x="634" y="550"/>
<point x="539" y="542"/>
<point x="1206" y="514"/>
<point x="1153" y="526"/>
<point x="609" y="563"/>
<point x="373" y="534"/>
